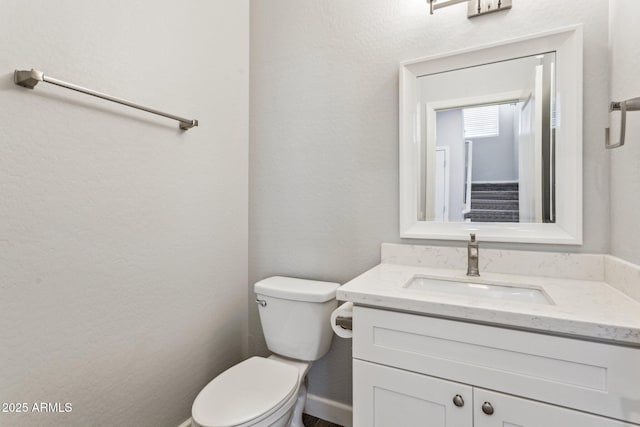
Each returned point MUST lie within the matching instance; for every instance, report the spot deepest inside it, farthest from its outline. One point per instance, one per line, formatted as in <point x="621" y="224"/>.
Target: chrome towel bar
<point x="30" y="79"/>
<point x="632" y="104"/>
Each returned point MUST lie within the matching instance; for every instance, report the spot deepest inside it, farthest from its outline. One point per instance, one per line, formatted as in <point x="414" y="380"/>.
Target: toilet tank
<point x="295" y="316"/>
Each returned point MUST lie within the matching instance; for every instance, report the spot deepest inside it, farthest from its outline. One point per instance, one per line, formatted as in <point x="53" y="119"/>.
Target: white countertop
<point x="584" y="308"/>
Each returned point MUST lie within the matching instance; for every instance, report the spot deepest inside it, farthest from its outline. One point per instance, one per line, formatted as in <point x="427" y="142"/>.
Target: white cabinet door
<point x="389" y="397"/>
<point x="509" y="411"/>
<point x="592" y="377"/>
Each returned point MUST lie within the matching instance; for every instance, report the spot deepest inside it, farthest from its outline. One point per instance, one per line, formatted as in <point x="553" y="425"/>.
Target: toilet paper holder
<point x="345" y="322"/>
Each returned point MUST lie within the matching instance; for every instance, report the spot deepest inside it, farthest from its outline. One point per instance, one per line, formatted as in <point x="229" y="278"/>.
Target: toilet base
<point x="303" y="367"/>
<point x="296" y="417"/>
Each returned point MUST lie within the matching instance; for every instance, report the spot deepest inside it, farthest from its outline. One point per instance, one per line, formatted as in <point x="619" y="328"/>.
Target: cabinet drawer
<point x="592" y="377"/>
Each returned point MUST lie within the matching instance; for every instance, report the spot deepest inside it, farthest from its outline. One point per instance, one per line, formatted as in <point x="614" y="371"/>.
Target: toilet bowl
<point x="258" y="392"/>
<point x="271" y="392"/>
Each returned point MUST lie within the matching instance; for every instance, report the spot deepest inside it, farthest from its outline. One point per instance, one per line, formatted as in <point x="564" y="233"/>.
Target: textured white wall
<point x="324" y="132"/>
<point x="123" y="241"/>
<point x="625" y="161"/>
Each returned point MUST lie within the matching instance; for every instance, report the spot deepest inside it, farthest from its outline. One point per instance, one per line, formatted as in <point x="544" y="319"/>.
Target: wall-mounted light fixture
<point x="474" y="8"/>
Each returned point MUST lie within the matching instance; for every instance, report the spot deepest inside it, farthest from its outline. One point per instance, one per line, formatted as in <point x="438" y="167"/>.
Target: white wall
<point x="515" y="75"/>
<point x="123" y="241"/>
<point x="625" y="161"/>
<point x="324" y="132"/>
<point x="493" y="157"/>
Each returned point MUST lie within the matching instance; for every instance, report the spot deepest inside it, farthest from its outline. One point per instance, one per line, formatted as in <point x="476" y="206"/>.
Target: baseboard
<point x="329" y="410"/>
<point x="187" y="423"/>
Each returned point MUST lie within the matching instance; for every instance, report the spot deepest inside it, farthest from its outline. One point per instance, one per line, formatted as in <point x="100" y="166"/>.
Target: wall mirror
<point x="491" y="142"/>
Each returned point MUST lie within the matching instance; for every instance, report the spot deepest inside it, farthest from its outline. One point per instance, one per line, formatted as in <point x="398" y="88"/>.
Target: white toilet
<point x="271" y="392"/>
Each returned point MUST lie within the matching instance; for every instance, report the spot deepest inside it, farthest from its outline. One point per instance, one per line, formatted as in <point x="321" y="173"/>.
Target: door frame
<point x="431" y="110"/>
<point x="447" y="179"/>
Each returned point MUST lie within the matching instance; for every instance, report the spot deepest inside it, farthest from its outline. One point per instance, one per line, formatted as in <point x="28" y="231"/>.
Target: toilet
<point x="271" y="392"/>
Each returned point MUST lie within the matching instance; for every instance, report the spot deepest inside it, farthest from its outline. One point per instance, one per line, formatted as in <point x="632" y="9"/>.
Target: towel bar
<point x="30" y="79"/>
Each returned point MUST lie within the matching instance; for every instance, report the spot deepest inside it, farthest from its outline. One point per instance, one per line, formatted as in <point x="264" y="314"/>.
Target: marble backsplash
<point x="623" y="276"/>
<point x="546" y="264"/>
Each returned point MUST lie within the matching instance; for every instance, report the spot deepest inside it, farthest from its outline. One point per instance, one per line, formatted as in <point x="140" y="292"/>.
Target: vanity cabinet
<point x="409" y="369"/>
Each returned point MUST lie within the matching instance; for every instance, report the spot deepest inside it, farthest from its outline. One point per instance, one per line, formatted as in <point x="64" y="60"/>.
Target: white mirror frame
<point x="567" y="43"/>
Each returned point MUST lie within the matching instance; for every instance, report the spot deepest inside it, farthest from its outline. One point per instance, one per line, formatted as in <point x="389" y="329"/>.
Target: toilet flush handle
<point x="261" y="302"/>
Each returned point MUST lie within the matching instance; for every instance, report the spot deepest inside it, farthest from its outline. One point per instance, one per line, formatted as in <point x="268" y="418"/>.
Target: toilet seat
<point x="246" y="393"/>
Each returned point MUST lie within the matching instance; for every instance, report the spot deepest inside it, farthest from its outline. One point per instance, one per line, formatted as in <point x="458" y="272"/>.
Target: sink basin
<point x="477" y="288"/>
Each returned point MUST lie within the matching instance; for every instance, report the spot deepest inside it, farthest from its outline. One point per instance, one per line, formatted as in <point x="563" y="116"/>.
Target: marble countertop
<point x="582" y="308"/>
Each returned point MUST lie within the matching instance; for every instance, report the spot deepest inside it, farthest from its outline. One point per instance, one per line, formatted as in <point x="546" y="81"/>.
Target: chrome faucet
<point x="473" y="250"/>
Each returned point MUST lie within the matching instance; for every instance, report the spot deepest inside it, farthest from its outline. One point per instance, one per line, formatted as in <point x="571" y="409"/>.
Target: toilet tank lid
<point x="297" y="289"/>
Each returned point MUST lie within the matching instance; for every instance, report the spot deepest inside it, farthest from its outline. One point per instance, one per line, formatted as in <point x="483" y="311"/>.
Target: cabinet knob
<point x="458" y="401"/>
<point x="487" y="408"/>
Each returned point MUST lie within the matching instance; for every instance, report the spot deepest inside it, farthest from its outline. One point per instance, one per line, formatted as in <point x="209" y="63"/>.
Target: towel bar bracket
<point x="28" y="78"/>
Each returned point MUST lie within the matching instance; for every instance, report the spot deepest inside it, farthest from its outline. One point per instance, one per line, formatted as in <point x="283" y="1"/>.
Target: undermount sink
<point x="477" y="288"/>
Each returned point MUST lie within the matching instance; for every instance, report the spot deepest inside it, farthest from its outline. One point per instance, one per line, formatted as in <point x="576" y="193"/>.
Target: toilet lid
<point x="249" y="390"/>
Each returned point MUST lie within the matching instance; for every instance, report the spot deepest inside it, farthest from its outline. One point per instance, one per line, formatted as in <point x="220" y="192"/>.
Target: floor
<point x="310" y="421"/>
